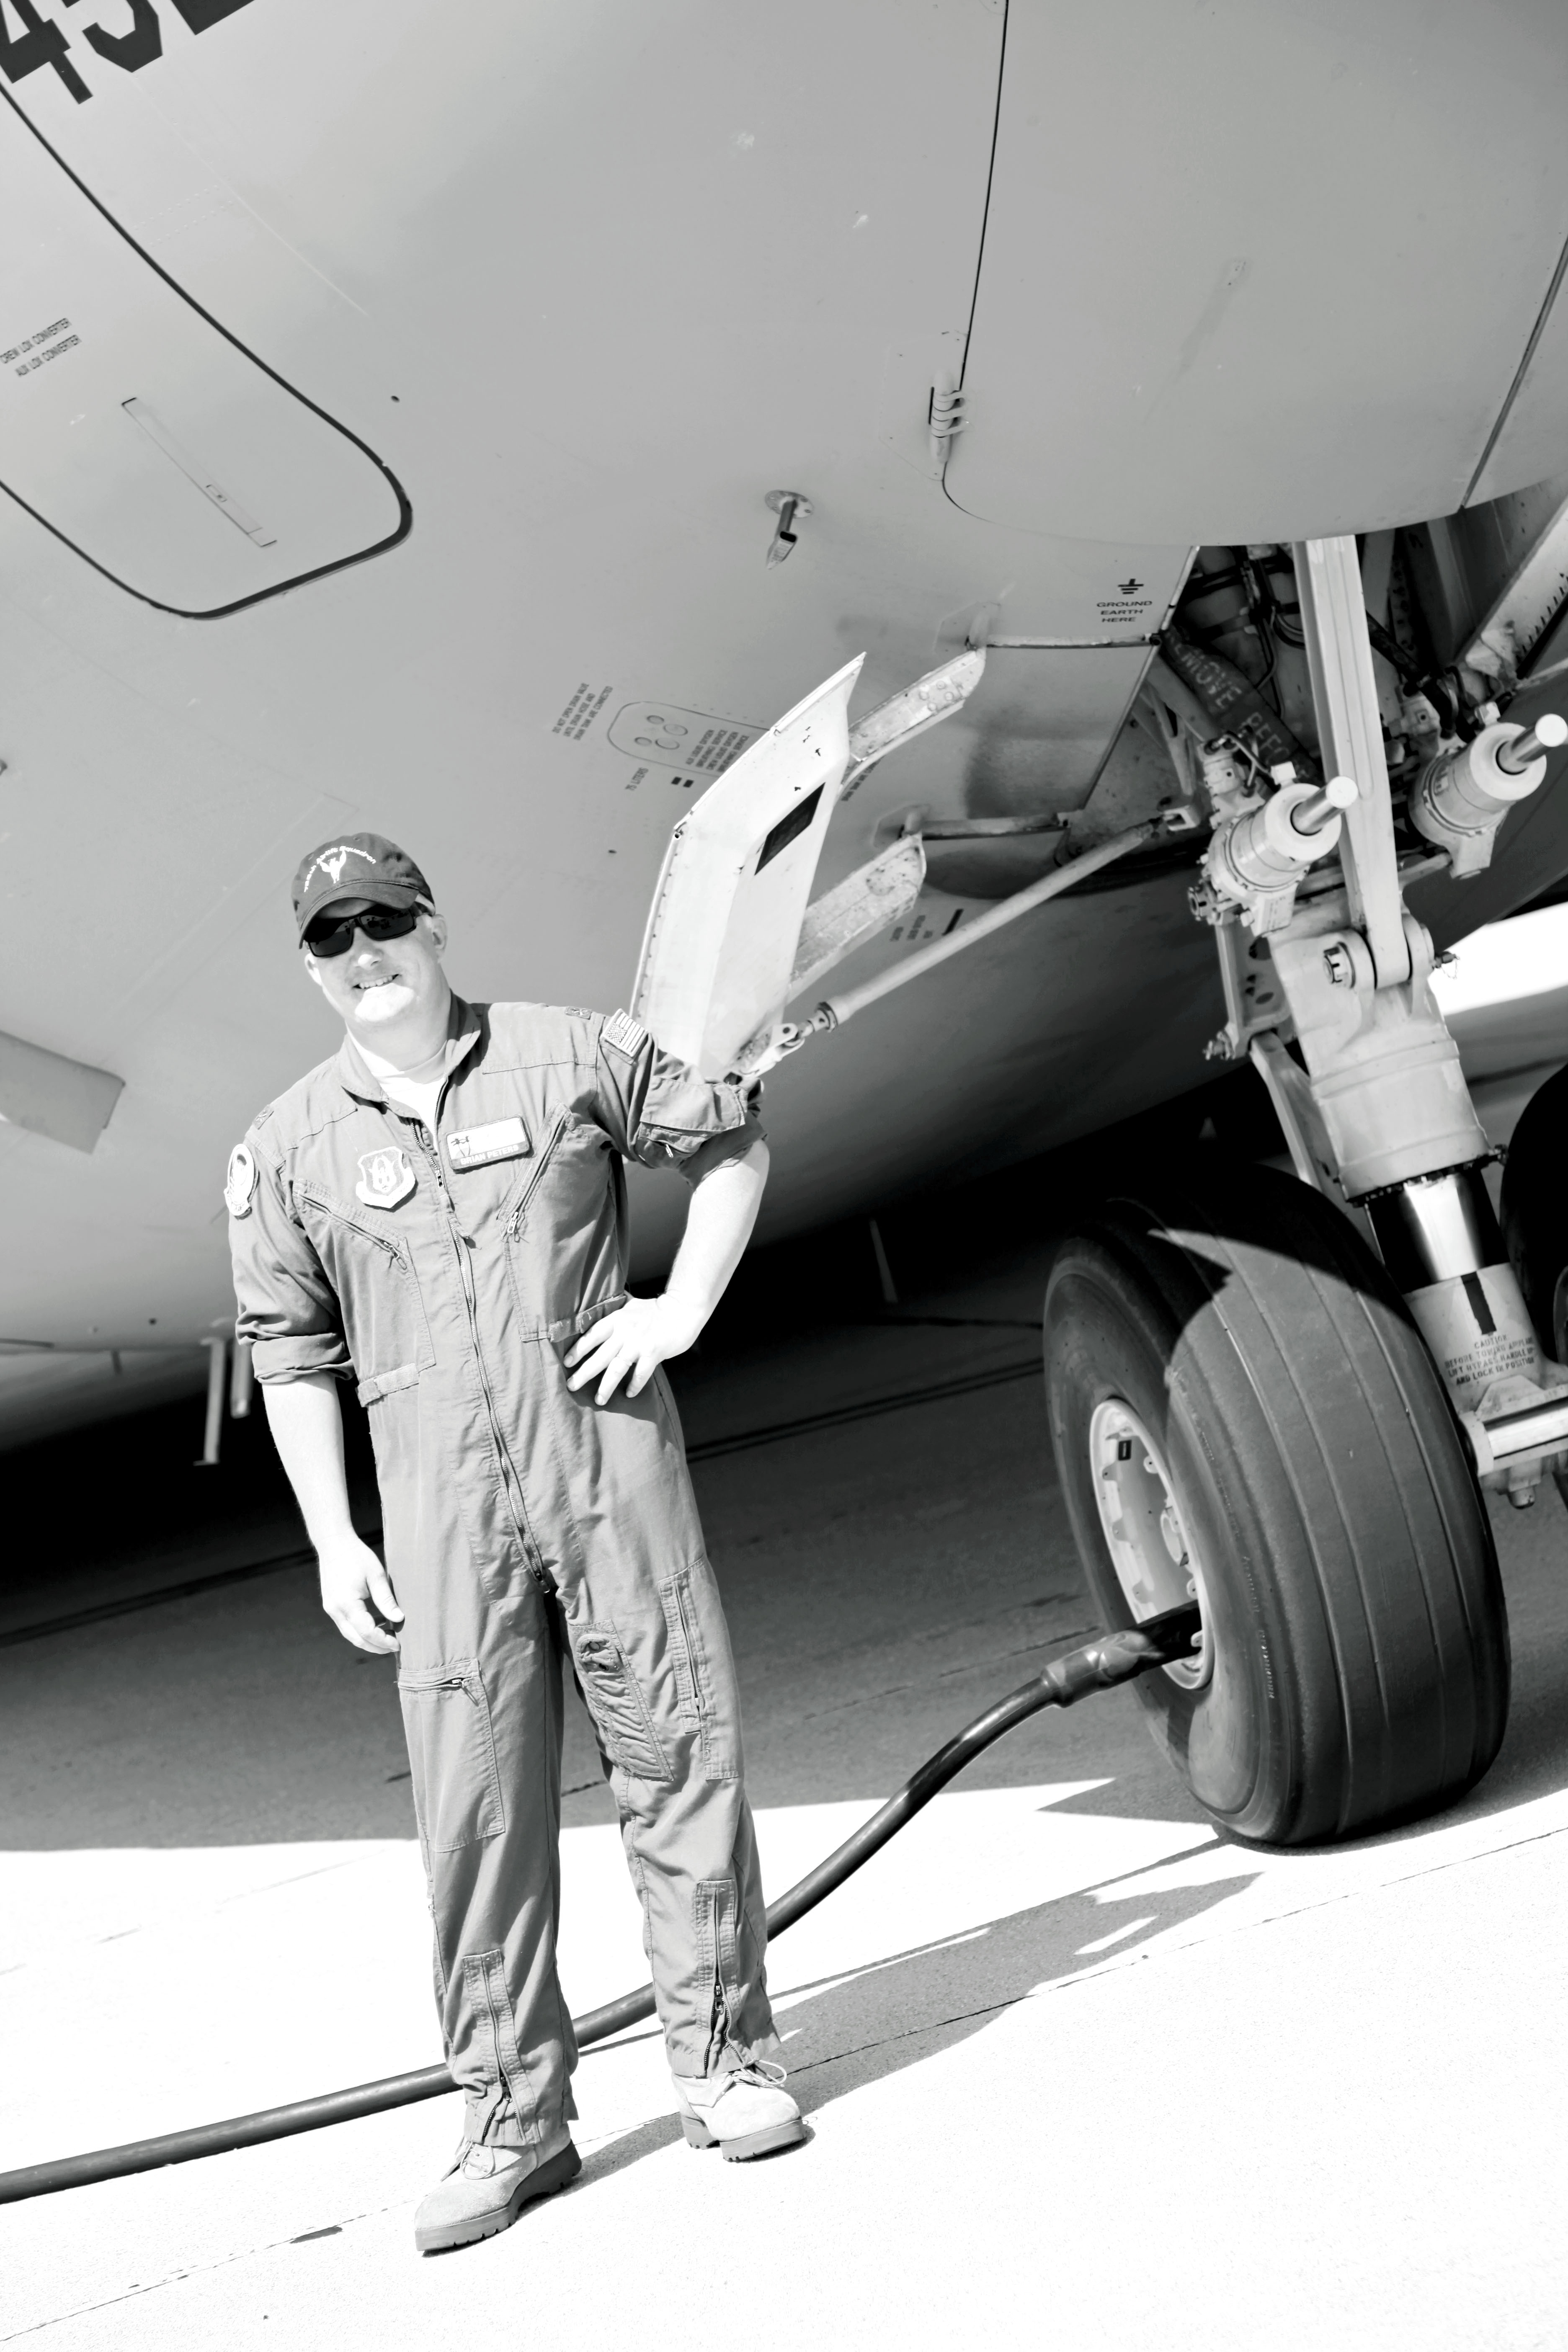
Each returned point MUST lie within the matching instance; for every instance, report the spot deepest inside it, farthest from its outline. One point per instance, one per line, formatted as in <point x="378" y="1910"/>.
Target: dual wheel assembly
<point x="1245" y="1416"/>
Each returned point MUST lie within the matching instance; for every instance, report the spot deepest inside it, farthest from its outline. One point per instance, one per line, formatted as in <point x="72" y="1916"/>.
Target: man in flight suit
<point x="439" y="1213"/>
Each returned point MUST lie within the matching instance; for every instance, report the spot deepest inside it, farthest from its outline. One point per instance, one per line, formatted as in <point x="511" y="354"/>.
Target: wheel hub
<point x="1155" y="1563"/>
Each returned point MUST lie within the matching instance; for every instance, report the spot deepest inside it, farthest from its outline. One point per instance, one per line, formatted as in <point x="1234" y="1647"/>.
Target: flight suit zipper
<point x="697" y="1664"/>
<point x="383" y="1241"/>
<point x="515" y="1218"/>
<point x="460" y="1250"/>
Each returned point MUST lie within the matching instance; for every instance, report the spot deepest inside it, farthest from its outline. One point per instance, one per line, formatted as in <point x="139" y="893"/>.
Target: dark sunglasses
<point x="327" y="938"/>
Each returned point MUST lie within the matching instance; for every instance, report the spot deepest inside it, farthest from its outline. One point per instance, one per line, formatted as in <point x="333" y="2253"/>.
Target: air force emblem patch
<point x="239" y="1184"/>
<point x="384" y="1178"/>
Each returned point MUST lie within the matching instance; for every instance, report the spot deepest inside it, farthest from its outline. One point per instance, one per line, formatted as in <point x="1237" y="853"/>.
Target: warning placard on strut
<point x="1478" y="1328"/>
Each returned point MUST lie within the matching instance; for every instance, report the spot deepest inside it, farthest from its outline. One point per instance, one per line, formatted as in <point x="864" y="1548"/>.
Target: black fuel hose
<point x="1099" y="1665"/>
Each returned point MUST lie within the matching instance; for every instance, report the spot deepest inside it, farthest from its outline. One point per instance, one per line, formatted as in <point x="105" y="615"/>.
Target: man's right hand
<point x="356" y="1592"/>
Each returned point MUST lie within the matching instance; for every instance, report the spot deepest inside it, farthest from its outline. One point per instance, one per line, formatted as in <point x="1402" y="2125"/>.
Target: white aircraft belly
<point x="1212" y="300"/>
<point x="589" y="282"/>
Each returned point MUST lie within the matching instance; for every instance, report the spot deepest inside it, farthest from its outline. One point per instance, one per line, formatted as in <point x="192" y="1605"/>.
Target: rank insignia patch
<point x="384" y="1178"/>
<point x="239" y="1184"/>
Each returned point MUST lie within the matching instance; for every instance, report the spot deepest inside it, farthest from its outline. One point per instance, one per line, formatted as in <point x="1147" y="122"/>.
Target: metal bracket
<point x="1512" y="1448"/>
<point x="1253" y="1000"/>
<point x="791" y="507"/>
<point x="944" y="419"/>
<point x="1290" y="1092"/>
<point x="908" y="713"/>
<point x="1350" y="742"/>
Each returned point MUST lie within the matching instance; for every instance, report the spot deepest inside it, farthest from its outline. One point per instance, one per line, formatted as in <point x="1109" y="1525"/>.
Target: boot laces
<point x="766" y="2074"/>
<point x="478" y="2160"/>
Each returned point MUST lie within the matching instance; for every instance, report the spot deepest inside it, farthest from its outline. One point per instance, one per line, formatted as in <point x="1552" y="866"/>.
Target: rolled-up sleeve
<point x="658" y="1110"/>
<point x="288" y="1308"/>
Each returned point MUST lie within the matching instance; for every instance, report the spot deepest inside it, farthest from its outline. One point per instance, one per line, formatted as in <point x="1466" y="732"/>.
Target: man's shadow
<point x="858" y="2028"/>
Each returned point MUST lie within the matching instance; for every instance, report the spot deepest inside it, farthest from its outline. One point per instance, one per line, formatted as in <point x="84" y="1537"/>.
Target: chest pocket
<point x="556" y="1228"/>
<point x="377" y="1288"/>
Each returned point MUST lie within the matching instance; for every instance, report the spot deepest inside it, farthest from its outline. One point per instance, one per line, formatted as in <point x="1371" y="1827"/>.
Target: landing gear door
<point x="726" y="917"/>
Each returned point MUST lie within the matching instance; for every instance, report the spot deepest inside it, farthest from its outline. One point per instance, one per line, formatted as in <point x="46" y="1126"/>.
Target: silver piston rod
<point x="1440" y="1241"/>
<point x="1511" y="1440"/>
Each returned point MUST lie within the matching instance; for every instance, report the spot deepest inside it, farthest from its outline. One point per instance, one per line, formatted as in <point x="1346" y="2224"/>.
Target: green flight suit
<point x="448" y="1276"/>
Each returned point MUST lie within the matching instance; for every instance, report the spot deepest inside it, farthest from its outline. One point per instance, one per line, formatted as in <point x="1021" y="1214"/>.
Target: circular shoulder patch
<point x="239" y="1186"/>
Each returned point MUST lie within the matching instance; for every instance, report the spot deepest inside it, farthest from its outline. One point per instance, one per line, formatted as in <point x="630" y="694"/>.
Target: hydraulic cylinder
<point x="1269" y="848"/>
<point x="1460" y="799"/>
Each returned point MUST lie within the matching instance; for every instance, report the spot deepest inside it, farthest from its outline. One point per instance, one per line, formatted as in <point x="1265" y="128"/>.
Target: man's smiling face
<point x="382" y="983"/>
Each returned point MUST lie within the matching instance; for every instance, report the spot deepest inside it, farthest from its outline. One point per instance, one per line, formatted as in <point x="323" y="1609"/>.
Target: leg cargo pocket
<point x="615" y="1699"/>
<point x="452" y="1749"/>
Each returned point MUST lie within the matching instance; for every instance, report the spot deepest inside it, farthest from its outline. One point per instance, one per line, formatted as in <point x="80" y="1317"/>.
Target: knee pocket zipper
<point x="693" y="1677"/>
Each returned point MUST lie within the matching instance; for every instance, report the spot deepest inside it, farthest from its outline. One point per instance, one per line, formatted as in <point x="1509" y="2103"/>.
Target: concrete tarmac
<point x="1076" y="2068"/>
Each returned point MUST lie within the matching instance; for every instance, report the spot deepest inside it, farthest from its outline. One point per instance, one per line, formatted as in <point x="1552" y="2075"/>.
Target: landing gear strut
<point x="1278" y="1399"/>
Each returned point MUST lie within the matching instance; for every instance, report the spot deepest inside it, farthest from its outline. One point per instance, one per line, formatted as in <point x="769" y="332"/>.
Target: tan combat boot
<point x="486" y="2190"/>
<point x="744" y="2114"/>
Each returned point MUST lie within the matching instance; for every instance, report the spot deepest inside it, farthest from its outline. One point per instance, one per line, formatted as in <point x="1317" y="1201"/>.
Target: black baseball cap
<point x="365" y="867"/>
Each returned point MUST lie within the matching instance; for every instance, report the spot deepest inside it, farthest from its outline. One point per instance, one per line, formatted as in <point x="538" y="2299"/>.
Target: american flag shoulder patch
<point x="627" y="1036"/>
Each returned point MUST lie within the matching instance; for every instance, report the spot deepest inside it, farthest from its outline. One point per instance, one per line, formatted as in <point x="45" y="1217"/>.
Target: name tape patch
<point x="475" y="1147"/>
<point x="625" y="1034"/>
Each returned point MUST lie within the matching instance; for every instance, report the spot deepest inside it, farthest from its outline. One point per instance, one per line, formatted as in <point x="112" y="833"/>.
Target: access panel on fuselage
<point x="141" y="432"/>
<point x="1260" y="272"/>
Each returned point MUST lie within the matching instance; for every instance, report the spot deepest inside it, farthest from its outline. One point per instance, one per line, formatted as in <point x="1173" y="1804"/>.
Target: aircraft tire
<point x="1319" y="1495"/>
<point x="1535" y="1218"/>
